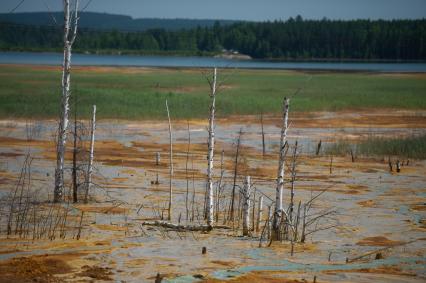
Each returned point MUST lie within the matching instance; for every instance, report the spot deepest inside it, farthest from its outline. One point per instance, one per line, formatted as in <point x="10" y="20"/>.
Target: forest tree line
<point x="292" y="39"/>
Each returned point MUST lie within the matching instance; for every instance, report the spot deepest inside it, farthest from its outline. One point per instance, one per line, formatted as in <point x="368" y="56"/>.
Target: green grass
<point x="408" y="147"/>
<point x="31" y="92"/>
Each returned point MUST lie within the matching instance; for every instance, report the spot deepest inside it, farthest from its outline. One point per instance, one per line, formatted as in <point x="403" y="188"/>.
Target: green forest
<point x="293" y="39"/>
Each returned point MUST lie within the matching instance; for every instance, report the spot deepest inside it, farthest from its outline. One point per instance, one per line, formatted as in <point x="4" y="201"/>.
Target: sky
<point x="254" y="10"/>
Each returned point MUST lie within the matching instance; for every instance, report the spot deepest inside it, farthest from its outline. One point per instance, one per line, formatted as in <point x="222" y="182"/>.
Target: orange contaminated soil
<point x="106" y="227"/>
<point x="367" y="203"/>
<point x="390" y="270"/>
<point x="379" y="241"/>
<point x="256" y="277"/>
<point x="224" y="263"/>
<point x="35" y="268"/>
<point x="380" y="118"/>
<point x="110" y="209"/>
<point x="285" y="247"/>
<point x="418" y="207"/>
<point x="96" y="272"/>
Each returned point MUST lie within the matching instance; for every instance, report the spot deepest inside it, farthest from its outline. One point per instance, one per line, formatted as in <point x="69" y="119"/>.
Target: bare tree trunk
<point x="253" y="209"/>
<point x="171" y="164"/>
<point x="280" y="178"/>
<point x="66" y="74"/>
<point x="231" y="210"/>
<point x="92" y="146"/>
<point x="186" y="173"/>
<point x="269" y="222"/>
<point x="246" y="207"/>
<point x="259" y="213"/>
<point x="210" y="202"/>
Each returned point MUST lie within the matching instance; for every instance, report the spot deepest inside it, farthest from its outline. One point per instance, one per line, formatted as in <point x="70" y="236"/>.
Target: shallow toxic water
<point x="374" y="208"/>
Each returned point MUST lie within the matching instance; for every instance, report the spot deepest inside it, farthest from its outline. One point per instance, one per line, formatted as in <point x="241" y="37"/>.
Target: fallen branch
<point x="184" y="227"/>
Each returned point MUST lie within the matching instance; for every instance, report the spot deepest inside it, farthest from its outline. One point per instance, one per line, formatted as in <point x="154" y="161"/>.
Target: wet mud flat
<point x="380" y="215"/>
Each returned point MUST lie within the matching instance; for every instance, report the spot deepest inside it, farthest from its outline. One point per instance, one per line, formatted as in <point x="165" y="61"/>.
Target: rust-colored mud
<point x="33" y="269"/>
<point x="96" y="272"/>
<point x="257" y="277"/>
<point x="367" y="203"/>
<point x="378" y="241"/>
<point x="389" y="270"/>
<point x="111" y="209"/>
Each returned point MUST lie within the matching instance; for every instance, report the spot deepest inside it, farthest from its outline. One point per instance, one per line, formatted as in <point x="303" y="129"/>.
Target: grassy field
<point x="131" y="93"/>
<point x="408" y="147"/>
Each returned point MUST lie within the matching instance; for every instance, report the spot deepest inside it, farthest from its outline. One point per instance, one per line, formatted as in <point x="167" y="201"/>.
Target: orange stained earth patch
<point x="101" y="209"/>
<point x="257" y="277"/>
<point x="378" y="241"/>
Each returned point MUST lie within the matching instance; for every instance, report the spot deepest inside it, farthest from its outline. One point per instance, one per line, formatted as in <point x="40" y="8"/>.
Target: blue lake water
<point x="177" y="61"/>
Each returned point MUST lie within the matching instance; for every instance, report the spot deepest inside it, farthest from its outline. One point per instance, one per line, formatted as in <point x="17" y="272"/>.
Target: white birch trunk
<point x="281" y="168"/>
<point x="210" y="192"/>
<point x="91" y="156"/>
<point x="246" y="207"/>
<point x="259" y="213"/>
<point x="171" y="164"/>
<point x="64" y="120"/>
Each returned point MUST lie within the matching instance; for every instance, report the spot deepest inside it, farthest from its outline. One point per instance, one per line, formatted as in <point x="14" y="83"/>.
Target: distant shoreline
<point x="214" y="55"/>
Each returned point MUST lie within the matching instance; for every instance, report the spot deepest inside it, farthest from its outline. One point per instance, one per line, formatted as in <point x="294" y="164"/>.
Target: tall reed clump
<point x="410" y="147"/>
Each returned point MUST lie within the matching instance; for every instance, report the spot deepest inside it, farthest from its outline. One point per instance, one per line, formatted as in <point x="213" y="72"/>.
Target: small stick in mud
<point x="157" y="158"/>
<point x="259" y="213"/>
<point x="331" y="164"/>
<point x="293" y="180"/>
<point x="157" y="163"/>
<point x="253" y="209"/>
<point x="352" y="156"/>
<point x="246" y="206"/>
<point x="158" y="278"/>
<point x="390" y="165"/>
<point x="319" y="147"/>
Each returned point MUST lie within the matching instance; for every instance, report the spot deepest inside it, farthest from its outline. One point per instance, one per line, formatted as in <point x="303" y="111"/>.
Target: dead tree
<point x="68" y="39"/>
<point x="91" y="155"/>
<point x="232" y="208"/>
<point x="171" y="164"/>
<point x="246" y="206"/>
<point x="186" y="173"/>
<point x="210" y="193"/>
<point x="281" y="168"/>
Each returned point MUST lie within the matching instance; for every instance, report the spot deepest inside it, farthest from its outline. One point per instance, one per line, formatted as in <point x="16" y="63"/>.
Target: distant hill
<point x="104" y="21"/>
